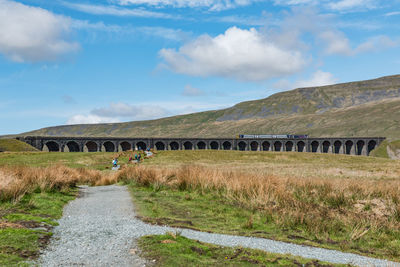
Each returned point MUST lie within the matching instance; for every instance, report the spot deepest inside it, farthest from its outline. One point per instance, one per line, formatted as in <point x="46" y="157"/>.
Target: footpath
<point x="100" y="228"/>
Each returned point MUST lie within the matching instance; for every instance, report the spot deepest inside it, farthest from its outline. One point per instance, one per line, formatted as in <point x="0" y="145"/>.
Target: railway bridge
<point x="340" y="145"/>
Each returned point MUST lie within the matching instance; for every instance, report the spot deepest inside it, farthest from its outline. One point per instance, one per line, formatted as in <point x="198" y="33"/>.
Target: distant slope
<point x="13" y="145"/>
<point x="369" y="108"/>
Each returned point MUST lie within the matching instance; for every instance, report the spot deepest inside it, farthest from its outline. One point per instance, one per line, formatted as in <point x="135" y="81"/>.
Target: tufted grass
<point x="350" y="203"/>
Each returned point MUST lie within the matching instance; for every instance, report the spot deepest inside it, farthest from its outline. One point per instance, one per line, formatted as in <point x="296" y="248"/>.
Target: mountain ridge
<point x="370" y="107"/>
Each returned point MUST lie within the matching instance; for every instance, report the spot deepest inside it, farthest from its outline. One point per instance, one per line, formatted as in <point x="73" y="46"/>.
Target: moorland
<point x="342" y="202"/>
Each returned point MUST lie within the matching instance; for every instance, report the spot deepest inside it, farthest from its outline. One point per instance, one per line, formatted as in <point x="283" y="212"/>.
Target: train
<point x="272" y="136"/>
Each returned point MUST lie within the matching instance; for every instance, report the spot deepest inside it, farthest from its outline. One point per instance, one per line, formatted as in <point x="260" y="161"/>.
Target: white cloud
<point x="239" y="54"/>
<point x="116" y="11"/>
<point x="394" y="13"/>
<point x="166" y="33"/>
<point x="335" y="43"/>
<point x="294" y="2"/>
<point x="338" y="43"/>
<point x="376" y="43"/>
<point x="90" y="119"/>
<point x="319" y="78"/>
<point x="32" y="34"/>
<point x="118" y="112"/>
<point x="214" y="5"/>
<point x="352" y="4"/>
<point x="192" y="91"/>
<point x="128" y="30"/>
<point x="130" y="111"/>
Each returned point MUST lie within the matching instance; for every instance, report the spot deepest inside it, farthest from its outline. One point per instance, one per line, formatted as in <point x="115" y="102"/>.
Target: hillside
<point x="13" y="145"/>
<point x="365" y="108"/>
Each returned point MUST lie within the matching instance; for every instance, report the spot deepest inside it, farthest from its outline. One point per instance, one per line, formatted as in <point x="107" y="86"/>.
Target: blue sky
<point x="68" y="62"/>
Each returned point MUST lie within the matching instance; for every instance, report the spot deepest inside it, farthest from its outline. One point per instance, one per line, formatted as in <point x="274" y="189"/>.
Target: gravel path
<point x="99" y="229"/>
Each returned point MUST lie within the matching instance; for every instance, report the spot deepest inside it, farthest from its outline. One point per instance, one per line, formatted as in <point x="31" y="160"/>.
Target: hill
<point x="13" y="145"/>
<point x="365" y="108"/>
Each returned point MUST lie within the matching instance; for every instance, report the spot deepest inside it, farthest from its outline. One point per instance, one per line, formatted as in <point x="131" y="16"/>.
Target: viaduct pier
<point x="342" y="145"/>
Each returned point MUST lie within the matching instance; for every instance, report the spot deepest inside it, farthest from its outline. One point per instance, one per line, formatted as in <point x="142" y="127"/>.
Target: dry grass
<point x="310" y="202"/>
<point x="15" y="182"/>
<point x="304" y="201"/>
<point x="289" y="198"/>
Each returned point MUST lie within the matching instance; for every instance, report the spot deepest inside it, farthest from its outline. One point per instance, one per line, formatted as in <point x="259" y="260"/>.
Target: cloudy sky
<point x="70" y="61"/>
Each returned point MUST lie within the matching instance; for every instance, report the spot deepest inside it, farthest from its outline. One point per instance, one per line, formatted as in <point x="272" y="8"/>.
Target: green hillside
<point x="13" y="145"/>
<point x="366" y="108"/>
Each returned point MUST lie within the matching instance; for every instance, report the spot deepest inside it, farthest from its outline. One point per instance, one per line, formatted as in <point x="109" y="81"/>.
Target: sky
<point x="71" y="62"/>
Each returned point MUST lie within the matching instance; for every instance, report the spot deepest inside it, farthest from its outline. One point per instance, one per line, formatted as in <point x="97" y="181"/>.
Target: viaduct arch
<point x="351" y="145"/>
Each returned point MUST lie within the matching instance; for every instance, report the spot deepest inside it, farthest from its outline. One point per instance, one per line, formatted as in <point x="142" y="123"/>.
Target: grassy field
<point x="13" y="145"/>
<point x="174" y="250"/>
<point x="97" y="160"/>
<point x="343" y="202"/>
<point x="350" y="203"/>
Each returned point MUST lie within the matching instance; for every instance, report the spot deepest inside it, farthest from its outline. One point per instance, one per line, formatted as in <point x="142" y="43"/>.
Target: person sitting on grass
<point x="115" y="162"/>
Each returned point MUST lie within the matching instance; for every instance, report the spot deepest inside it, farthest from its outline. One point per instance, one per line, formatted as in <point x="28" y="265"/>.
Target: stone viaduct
<point x="351" y="145"/>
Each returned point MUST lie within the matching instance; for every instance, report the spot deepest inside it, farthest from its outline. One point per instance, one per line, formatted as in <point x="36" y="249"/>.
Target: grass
<point x="382" y="150"/>
<point x="13" y="145"/>
<point x="175" y="250"/>
<point x="92" y="161"/>
<point x="395" y="144"/>
<point x="96" y="160"/>
<point x="343" y="202"/>
<point x="25" y="226"/>
<point x="294" y="165"/>
<point x="329" y="225"/>
<point x="349" y="203"/>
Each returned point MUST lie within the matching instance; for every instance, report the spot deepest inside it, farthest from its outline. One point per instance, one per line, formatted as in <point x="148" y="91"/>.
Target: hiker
<point x="115" y="162"/>
<point x="139" y="156"/>
<point x="130" y="158"/>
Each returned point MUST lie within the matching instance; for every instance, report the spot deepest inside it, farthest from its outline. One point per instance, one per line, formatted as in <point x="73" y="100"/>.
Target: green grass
<point x="210" y="211"/>
<point x="395" y="144"/>
<point x="25" y="227"/>
<point x="175" y="250"/>
<point x="97" y="160"/>
<point x="13" y="145"/>
<point x="381" y="150"/>
<point x="290" y="164"/>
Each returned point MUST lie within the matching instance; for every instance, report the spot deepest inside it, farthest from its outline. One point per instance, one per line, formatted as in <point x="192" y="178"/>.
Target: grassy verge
<point x="15" y="145"/>
<point x="25" y="226"/>
<point x="341" y="214"/>
<point x="213" y="212"/>
<point x="175" y="250"/>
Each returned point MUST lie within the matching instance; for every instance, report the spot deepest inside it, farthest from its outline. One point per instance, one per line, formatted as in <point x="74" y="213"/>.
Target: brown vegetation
<point x="310" y="202"/>
<point x="15" y="182"/>
<point x="289" y="202"/>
